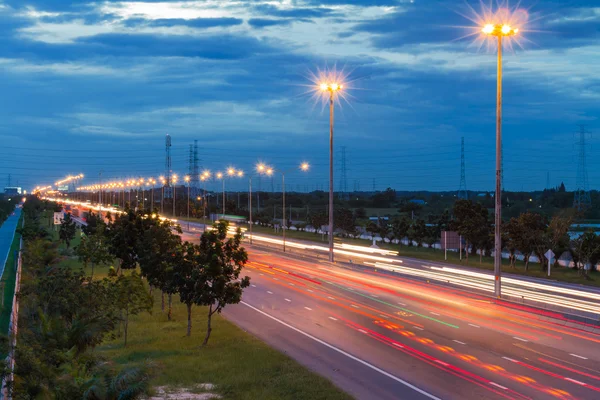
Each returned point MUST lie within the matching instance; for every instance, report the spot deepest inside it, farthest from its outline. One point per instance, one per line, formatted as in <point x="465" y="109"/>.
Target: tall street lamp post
<point x="174" y="181"/>
<point x="204" y="177"/>
<point x="499" y="31"/>
<point x="163" y="182"/>
<point x="332" y="88"/>
<point x="187" y="180"/>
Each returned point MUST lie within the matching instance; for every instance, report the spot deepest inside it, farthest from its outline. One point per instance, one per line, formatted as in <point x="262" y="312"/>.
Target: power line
<point x="462" y="189"/>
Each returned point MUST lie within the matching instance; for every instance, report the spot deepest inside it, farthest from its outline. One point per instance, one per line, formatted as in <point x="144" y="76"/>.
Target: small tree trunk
<point x="480" y="256"/>
<point x="526" y="263"/>
<point x="151" y="290"/>
<point x="170" y="313"/>
<point x="126" y="325"/>
<point x="162" y="301"/>
<point x="189" y="312"/>
<point x="92" y="276"/>
<point x="208" y="327"/>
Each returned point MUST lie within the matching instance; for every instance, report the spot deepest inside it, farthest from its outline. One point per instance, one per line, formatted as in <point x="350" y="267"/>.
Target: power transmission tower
<point x="582" y="198"/>
<point x="196" y="169"/>
<point x="462" y="189"/>
<point x="191" y="161"/>
<point x="343" y="175"/>
<point x="168" y="166"/>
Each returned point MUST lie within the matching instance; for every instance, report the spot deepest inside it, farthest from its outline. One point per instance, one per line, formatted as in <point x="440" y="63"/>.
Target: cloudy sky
<point x="95" y="86"/>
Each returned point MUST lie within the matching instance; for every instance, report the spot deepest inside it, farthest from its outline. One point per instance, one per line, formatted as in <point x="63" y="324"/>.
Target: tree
<point x="400" y="227"/>
<point x="210" y="273"/>
<point x="93" y="221"/>
<point x="558" y="235"/>
<point x="94" y="249"/>
<point x="372" y="229"/>
<point x="343" y="219"/>
<point x="586" y="249"/>
<point x="317" y="220"/>
<point x="160" y="250"/>
<point x="419" y="232"/>
<point x="527" y="233"/>
<point x="131" y="297"/>
<point x="123" y="234"/>
<point x="510" y="231"/>
<point x="67" y="230"/>
<point x="471" y="221"/>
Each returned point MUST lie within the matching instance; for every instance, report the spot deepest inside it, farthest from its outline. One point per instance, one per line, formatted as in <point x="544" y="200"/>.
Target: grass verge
<point x="239" y="364"/>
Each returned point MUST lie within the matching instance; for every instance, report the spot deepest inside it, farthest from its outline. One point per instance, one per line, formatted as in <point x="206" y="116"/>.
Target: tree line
<point x="65" y="312"/>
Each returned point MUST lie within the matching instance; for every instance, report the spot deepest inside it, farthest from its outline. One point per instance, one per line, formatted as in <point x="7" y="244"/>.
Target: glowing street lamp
<point x="332" y="88"/>
<point x="500" y="31"/>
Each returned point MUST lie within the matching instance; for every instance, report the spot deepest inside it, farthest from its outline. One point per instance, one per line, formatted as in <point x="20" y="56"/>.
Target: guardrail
<point x="12" y="328"/>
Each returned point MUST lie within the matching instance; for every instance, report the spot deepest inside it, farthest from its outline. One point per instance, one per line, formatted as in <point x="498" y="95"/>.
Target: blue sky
<point x="95" y="85"/>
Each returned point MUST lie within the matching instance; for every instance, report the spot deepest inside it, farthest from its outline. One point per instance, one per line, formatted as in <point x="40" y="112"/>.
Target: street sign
<point x="58" y="217"/>
<point x="549" y="254"/>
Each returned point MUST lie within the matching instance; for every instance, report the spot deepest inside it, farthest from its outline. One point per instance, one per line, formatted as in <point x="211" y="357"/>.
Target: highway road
<point x="378" y="335"/>
<point x="384" y="337"/>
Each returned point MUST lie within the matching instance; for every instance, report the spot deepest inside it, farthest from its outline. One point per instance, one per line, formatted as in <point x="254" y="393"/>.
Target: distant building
<point x="12" y="191"/>
<point x="417" y="201"/>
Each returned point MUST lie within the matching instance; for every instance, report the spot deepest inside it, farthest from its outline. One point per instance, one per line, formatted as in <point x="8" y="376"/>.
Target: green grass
<point x="240" y="365"/>
<point x="8" y="284"/>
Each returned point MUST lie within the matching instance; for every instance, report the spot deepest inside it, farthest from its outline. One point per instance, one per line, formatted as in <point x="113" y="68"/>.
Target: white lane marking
<point x="288" y="300"/>
<point x="374" y="295"/>
<point x="575" y="355"/>
<point x="308" y="308"/>
<point x="402" y="304"/>
<point x="500" y="386"/>
<point x="354" y="305"/>
<point x="275" y="279"/>
<point x="333" y="319"/>
<point x="459" y="342"/>
<point x="441" y="362"/>
<point x="434" y="313"/>
<point x="329" y="297"/>
<point x="349" y="288"/>
<point x="262" y="274"/>
<point x="291" y="284"/>
<point x="398" y="345"/>
<point x="510" y="359"/>
<point x="416" y="327"/>
<point x="577" y="382"/>
<point x="309" y="290"/>
<point x="362" y="331"/>
<point x="522" y="340"/>
<point x="475" y="326"/>
<point x="268" y="291"/>
<point x="253" y="285"/>
<point x="383" y="316"/>
<point x="366" y="364"/>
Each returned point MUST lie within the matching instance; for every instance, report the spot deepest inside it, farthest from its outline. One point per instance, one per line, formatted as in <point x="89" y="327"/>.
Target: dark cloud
<point x="213" y="47"/>
<point x="263" y="22"/>
<point x="192" y="23"/>
<point x="269" y="10"/>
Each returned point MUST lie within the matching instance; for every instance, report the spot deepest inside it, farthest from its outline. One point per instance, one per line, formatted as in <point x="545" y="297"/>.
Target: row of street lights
<point x="332" y="87"/>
